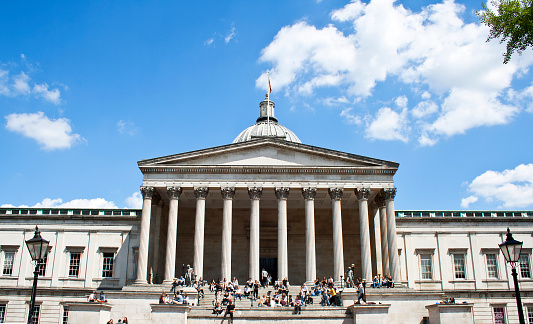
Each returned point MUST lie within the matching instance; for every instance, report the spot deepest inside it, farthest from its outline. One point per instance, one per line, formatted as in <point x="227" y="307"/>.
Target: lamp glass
<point x="511" y="248"/>
<point x="37" y="246"/>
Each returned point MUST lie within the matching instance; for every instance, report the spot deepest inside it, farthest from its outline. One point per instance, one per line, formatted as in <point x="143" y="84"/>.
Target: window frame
<point x="8" y="268"/>
<point x="74" y="249"/>
<point x="504" y="310"/>
<point x="36" y="309"/>
<point x="3" y="311"/>
<point x="107" y="270"/>
<point x="528" y="255"/>
<point x="495" y="265"/>
<point x="74" y="267"/>
<point x="426" y="254"/>
<point x="64" y="316"/>
<point x="455" y="271"/>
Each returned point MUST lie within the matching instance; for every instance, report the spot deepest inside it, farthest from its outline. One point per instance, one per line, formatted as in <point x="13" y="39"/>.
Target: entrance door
<point x="271" y="266"/>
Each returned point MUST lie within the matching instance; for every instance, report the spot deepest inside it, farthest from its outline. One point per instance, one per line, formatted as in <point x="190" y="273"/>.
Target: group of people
<point x="179" y="298"/>
<point x="385" y="281"/>
<point x="120" y="321"/>
<point x="100" y="299"/>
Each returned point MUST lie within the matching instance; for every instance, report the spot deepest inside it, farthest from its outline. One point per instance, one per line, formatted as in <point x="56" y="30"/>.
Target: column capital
<point x="335" y="193"/>
<point x="309" y="193"/>
<point x="362" y="193"/>
<point x="201" y="192"/>
<point x="255" y="193"/>
<point x="227" y="192"/>
<point x="389" y="194"/>
<point x="379" y="200"/>
<point x="147" y="192"/>
<point x="282" y="193"/>
<point x="174" y="192"/>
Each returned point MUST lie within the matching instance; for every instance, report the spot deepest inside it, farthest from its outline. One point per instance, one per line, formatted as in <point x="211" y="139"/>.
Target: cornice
<point x="265" y="169"/>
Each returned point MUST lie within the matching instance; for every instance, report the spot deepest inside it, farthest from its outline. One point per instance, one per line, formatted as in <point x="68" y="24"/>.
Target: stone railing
<point x="462" y="213"/>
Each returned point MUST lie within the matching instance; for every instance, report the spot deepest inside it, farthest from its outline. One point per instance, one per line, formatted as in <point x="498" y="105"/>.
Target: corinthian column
<point x="255" y="196"/>
<point x="172" y="229"/>
<point x="366" y="261"/>
<point x="389" y="195"/>
<point x="156" y="232"/>
<point x="283" y="261"/>
<point x="310" y="253"/>
<point x="227" y="195"/>
<point x="338" y="254"/>
<point x="199" y="225"/>
<point x="383" y="228"/>
<point x="142" y="259"/>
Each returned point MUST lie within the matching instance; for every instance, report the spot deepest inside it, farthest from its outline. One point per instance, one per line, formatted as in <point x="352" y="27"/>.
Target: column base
<point x="141" y="282"/>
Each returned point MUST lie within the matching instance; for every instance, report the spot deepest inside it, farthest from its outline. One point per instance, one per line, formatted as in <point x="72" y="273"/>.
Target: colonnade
<point x="384" y="225"/>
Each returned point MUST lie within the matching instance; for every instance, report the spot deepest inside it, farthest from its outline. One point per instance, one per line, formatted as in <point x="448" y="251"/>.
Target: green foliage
<point x="512" y="22"/>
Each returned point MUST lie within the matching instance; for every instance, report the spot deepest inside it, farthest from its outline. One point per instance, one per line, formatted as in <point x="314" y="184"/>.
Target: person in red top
<point x="229" y="310"/>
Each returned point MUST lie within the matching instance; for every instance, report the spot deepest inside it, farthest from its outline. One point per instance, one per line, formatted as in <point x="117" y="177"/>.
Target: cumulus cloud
<point x="51" y="134"/>
<point x="442" y="59"/>
<point x="22" y="85"/>
<point x="350" y="118"/>
<point x="512" y="187"/>
<point x="135" y="201"/>
<point x="388" y="125"/>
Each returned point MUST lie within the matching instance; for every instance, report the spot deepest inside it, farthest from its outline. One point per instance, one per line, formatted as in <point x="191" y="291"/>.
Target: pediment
<point x="268" y="152"/>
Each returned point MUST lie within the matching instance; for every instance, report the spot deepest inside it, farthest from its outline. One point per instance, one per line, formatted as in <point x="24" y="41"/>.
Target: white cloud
<point x="135" y="200"/>
<point x="388" y="125"/>
<point x="51" y="134"/>
<point x="350" y="118"/>
<point x="465" y="202"/>
<point x="433" y="51"/>
<point x="127" y="127"/>
<point x="209" y="41"/>
<point x="330" y="101"/>
<point x="513" y="187"/>
<point x="22" y="85"/>
<point x="231" y="35"/>
<point x="96" y="203"/>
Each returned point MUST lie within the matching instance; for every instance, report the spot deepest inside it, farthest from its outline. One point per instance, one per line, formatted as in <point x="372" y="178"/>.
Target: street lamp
<point x="38" y="248"/>
<point x="511" y="252"/>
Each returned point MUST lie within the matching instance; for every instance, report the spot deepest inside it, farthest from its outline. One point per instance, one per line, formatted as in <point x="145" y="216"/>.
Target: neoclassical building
<point x="265" y="201"/>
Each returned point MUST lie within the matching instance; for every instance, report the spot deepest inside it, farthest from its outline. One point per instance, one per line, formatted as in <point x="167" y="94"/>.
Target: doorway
<point x="271" y="266"/>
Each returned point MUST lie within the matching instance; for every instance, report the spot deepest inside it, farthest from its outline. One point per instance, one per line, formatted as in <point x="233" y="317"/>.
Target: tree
<point x="512" y="22"/>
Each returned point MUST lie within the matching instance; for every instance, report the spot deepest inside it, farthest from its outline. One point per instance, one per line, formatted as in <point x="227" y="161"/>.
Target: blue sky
<point x="88" y="89"/>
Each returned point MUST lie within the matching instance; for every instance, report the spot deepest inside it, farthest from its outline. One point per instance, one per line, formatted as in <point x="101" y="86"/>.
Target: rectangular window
<point x="74" y="265"/>
<point x="3" y="313"/>
<point x="499" y="315"/>
<point x="65" y="315"/>
<point x="41" y="265"/>
<point x="35" y="317"/>
<point x="425" y="266"/>
<point x="107" y="268"/>
<point x="525" y="271"/>
<point x="530" y="315"/>
<point x="459" y="266"/>
<point x="492" y="265"/>
<point x="9" y="257"/>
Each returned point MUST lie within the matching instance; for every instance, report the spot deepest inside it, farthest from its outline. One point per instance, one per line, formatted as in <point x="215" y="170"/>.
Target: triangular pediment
<point x="268" y="152"/>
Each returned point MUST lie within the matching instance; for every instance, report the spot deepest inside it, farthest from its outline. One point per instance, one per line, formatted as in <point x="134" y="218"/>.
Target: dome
<point x="267" y="126"/>
<point x="263" y="129"/>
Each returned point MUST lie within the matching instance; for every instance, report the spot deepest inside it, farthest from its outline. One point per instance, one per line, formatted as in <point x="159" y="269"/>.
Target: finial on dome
<point x="266" y="108"/>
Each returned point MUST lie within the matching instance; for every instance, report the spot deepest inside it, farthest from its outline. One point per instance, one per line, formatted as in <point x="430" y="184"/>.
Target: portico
<point x="267" y="195"/>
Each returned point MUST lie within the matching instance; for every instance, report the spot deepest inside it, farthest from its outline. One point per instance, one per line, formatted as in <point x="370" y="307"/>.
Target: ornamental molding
<point x="201" y="192"/>
<point x="147" y="192"/>
<point x="228" y="192"/>
<point x="255" y="193"/>
<point x="335" y="193"/>
<point x="266" y="169"/>
<point x="282" y="193"/>
<point x="362" y="193"/>
<point x="389" y="194"/>
<point x="174" y="192"/>
<point x="309" y="193"/>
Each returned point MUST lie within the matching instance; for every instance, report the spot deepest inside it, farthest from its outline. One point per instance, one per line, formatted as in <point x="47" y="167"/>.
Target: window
<point x="9" y="257"/>
<point x="41" y="265"/>
<point x="74" y="265"/>
<point x="107" y="268"/>
<point x="530" y="315"/>
<point x="459" y="266"/>
<point x="3" y="313"/>
<point x="492" y="265"/>
<point x="499" y="315"/>
<point x="65" y="315"/>
<point x="35" y="317"/>
<point x="525" y="271"/>
<point x="425" y="266"/>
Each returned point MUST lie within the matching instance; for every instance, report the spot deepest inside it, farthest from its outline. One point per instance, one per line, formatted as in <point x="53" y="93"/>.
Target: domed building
<point x="265" y="202"/>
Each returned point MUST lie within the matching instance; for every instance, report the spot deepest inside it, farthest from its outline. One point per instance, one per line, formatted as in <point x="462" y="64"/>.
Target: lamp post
<point x="38" y="248"/>
<point x="511" y="252"/>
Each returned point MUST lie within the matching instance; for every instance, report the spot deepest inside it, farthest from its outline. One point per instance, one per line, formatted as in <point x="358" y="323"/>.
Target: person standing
<point x="229" y="311"/>
<point x="361" y="291"/>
